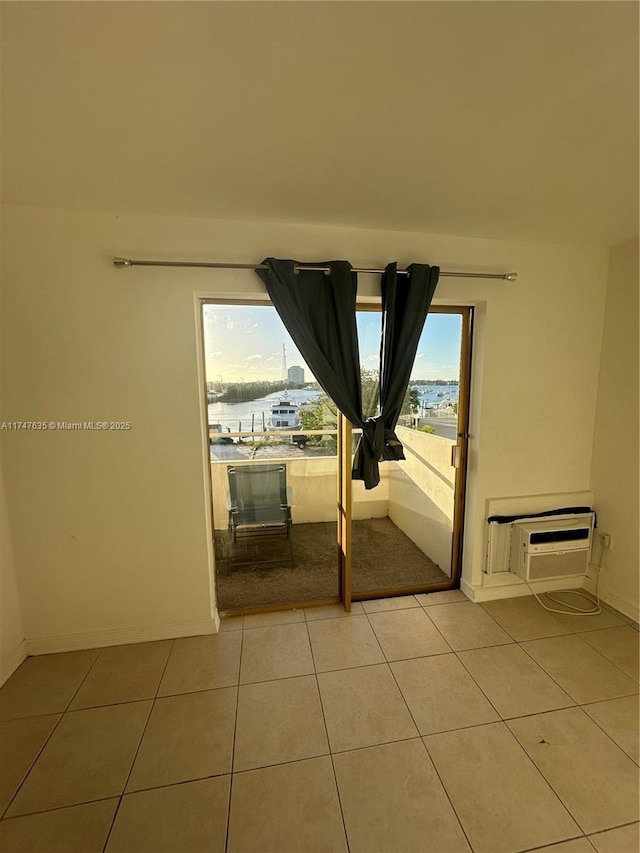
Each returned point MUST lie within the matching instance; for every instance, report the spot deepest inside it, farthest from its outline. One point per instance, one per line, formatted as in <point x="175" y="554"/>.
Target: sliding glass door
<point x="290" y="526"/>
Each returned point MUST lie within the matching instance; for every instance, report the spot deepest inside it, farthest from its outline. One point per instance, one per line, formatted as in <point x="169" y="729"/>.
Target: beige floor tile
<point x="87" y="758"/>
<point x="467" y="626"/>
<point x="513" y="682"/>
<point x="392" y="800"/>
<point x="524" y="618"/>
<point x="277" y="617"/>
<point x="363" y="707"/>
<point x="581" y="672"/>
<point x="343" y="643"/>
<point x="441" y="694"/>
<point x="279" y="721"/>
<point x="231" y="623"/>
<point x="620" y="719"/>
<point x="576" y="845"/>
<point x="332" y="611"/>
<point x="188" y="737"/>
<point x="20" y="743"/>
<point x="291" y="808"/>
<point x="448" y="596"/>
<point x="619" y="645"/>
<point x="407" y="634"/>
<point x="595" y="780"/>
<point x="44" y="684"/>
<point x="624" y="839"/>
<point x="280" y="651"/>
<point x="607" y="619"/>
<point x="77" y="829"/>
<point x="202" y="663"/>
<point x="400" y="602"/>
<point x="124" y="674"/>
<point x="502" y="801"/>
<point x="188" y="818"/>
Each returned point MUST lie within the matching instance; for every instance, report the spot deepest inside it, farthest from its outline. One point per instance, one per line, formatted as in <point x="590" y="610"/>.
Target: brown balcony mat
<point x="259" y="571"/>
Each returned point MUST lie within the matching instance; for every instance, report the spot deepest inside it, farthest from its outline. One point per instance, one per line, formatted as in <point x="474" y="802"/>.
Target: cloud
<point x="254" y="357"/>
<point x="420" y="355"/>
<point x="371" y="358"/>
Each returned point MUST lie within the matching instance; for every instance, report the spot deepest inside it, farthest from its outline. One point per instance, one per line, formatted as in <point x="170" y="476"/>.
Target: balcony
<point x="401" y="535"/>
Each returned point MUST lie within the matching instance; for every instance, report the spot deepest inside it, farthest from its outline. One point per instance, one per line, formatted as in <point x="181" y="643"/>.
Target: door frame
<point x="345" y="594"/>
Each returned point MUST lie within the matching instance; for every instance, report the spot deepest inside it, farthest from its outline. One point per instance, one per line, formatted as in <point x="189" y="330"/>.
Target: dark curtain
<point x="405" y="305"/>
<point x="319" y="312"/>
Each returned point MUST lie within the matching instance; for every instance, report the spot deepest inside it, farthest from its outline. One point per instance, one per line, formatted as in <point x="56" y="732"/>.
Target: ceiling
<point x="513" y="120"/>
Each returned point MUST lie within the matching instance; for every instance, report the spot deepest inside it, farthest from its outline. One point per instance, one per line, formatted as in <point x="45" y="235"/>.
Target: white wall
<point x="422" y="493"/>
<point x="615" y="452"/>
<point x="313" y="482"/>
<point x="111" y="530"/>
<point x="12" y="649"/>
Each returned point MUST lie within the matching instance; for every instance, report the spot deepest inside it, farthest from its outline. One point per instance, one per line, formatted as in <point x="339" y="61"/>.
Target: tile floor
<point x="425" y="723"/>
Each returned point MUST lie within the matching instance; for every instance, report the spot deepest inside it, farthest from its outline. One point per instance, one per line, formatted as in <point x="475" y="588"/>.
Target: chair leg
<point x="290" y="538"/>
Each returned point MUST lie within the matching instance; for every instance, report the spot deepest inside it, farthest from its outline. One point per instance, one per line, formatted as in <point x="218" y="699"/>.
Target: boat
<point x="285" y="415"/>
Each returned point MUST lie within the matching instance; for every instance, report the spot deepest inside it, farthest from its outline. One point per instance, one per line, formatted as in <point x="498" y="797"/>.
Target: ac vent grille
<point x="563" y="564"/>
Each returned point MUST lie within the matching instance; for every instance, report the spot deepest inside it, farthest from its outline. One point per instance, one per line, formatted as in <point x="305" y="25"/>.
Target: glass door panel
<point x="274" y="465"/>
<point x="404" y="532"/>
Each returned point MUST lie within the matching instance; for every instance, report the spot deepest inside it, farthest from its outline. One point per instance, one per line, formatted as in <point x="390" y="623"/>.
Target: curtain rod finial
<point x="121" y="262"/>
<point x="511" y="276"/>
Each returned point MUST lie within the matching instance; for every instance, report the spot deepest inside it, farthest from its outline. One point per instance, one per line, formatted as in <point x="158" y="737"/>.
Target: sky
<point x="244" y="343"/>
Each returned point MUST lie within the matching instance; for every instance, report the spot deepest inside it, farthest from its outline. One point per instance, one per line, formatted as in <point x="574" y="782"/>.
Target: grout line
<point x="420" y="736"/>
<point x="326" y="731"/>
<point x="446" y="793"/>
<point x="30" y="768"/>
<point x="95" y="661"/>
<point x="131" y="766"/>
<point x="543" y="777"/>
<point x="48" y="739"/>
<point x="233" y="743"/>
<point x="556" y="843"/>
<point x="59" y="808"/>
<point x="613" y="663"/>
<point x="590" y="701"/>
<point x="593" y="720"/>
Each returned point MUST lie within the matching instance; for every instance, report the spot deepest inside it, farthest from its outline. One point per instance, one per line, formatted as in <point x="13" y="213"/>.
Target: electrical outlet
<point x="605" y="540"/>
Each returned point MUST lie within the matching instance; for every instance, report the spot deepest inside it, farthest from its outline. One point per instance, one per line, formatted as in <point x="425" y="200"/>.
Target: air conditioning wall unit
<point x="550" y="549"/>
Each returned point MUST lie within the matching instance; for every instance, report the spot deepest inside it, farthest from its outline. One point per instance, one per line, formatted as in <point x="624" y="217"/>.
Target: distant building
<point x="296" y="374"/>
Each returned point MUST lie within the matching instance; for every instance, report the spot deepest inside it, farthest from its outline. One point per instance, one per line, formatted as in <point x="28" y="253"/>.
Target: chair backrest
<point x="258" y="492"/>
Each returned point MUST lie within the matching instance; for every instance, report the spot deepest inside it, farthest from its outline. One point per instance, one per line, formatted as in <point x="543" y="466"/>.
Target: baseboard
<point x="510" y="586"/>
<point x="9" y="664"/>
<point x="120" y="636"/>
<point x="619" y="604"/>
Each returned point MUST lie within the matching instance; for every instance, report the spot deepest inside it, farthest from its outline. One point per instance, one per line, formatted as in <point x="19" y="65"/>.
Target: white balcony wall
<point x="314" y="491"/>
<point x="421" y="494"/>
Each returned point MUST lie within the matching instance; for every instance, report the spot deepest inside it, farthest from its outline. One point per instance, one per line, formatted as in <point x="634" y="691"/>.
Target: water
<point x="237" y="416"/>
<point x="434" y="395"/>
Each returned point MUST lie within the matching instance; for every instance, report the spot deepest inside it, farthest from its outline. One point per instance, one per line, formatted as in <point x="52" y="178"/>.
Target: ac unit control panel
<point x="571" y="545"/>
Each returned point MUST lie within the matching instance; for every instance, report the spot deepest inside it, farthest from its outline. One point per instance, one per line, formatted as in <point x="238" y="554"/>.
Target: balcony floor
<point x="383" y="558"/>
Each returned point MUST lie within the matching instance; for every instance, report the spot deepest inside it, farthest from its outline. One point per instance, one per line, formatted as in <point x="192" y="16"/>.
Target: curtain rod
<point x="129" y="262"/>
